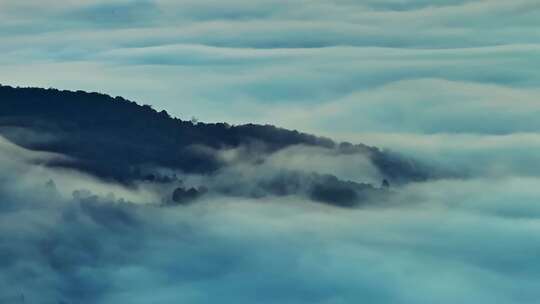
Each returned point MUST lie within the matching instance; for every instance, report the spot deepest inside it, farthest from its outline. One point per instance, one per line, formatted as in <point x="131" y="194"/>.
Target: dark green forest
<point x="115" y="139"/>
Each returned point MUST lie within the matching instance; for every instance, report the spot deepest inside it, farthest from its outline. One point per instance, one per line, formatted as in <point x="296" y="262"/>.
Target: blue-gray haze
<point x="452" y="83"/>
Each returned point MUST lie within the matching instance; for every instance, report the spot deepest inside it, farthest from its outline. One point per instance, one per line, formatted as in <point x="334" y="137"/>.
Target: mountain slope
<point x="117" y="139"/>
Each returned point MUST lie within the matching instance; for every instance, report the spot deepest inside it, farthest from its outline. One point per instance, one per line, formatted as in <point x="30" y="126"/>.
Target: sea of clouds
<point x="451" y="83"/>
<point x="81" y="240"/>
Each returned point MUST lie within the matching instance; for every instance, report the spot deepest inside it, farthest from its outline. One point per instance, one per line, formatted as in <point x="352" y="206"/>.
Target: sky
<point x="452" y="83"/>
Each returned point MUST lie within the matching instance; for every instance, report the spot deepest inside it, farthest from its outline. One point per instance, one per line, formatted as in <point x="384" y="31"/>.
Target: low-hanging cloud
<point x="443" y="241"/>
<point x="80" y="239"/>
<point x="452" y="84"/>
<point x="431" y="106"/>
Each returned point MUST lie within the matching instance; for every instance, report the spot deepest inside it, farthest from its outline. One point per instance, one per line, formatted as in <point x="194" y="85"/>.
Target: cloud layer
<point x="452" y="82"/>
<point x="470" y="59"/>
<point x="468" y="240"/>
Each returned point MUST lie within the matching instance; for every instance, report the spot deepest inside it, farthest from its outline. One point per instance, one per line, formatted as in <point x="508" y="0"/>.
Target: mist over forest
<point x="104" y="201"/>
<point x="273" y="152"/>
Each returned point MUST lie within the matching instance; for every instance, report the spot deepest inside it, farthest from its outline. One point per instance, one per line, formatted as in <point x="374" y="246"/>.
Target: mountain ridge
<point x="117" y="139"/>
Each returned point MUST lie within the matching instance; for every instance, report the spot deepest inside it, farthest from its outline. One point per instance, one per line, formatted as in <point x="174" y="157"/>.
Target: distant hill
<point x="113" y="138"/>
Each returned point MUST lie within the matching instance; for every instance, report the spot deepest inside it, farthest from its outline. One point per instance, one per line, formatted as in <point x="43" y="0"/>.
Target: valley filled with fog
<point x="68" y="236"/>
<point x="274" y="152"/>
